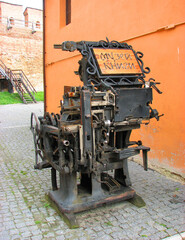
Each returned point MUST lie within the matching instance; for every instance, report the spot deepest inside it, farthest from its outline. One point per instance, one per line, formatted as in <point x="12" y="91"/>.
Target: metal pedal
<point x="112" y="184"/>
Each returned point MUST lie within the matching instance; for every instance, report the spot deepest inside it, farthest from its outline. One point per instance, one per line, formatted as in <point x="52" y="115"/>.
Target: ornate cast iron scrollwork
<point x="95" y="76"/>
<point x="89" y="64"/>
<point x="139" y="56"/>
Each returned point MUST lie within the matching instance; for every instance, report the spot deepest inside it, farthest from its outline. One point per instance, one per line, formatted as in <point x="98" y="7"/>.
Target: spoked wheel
<point x="35" y="128"/>
<point x="52" y="119"/>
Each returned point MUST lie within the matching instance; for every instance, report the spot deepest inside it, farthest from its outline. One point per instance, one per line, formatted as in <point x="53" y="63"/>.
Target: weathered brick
<point x="20" y="49"/>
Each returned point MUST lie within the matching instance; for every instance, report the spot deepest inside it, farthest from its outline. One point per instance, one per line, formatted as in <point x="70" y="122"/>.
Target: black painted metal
<point x="95" y="77"/>
<point x="87" y="126"/>
<point x="135" y="102"/>
<point x="91" y="135"/>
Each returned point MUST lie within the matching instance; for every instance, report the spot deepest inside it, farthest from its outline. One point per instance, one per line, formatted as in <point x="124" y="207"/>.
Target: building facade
<point x="155" y="28"/>
<point x="21" y="40"/>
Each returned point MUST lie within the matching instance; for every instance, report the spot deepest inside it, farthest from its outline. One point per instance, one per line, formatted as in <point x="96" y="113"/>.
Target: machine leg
<point x="145" y="160"/>
<point x="122" y="174"/>
<point x="54" y="179"/>
<point x="68" y="187"/>
<point x="96" y="186"/>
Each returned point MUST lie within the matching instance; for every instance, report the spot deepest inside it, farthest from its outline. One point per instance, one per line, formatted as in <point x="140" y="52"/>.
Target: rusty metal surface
<point x="88" y="142"/>
<point x="81" y="204"/>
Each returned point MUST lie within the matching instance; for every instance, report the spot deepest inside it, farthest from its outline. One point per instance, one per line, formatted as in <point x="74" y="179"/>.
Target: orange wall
<point x="156" y="28"/>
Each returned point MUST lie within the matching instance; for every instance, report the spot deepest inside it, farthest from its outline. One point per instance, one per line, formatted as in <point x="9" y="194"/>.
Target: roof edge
<point x="32" y="8"/>
<point x="12" y="3"/>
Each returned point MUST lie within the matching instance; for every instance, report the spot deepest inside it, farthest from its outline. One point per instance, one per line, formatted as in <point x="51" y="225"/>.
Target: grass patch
<point x="37" y="222"/>
<point x="162" y="224"/>
<point x="24" y="173"/>
<point x="13" y="98"/>
<point x="9" y="98"/>
<point x="47" y="205"/>
<point x="108" y="224"/>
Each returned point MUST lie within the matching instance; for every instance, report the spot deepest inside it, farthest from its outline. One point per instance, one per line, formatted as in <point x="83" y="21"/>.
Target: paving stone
<point x="50" y="235"/>
<point x="37" y="237"/>
<point x="97" y="228"/>
<point x="171" y="231"/>
<point x="23" y="230"/>
<point x="16" y="237"/>
<point x="14" y="232"/>
<point x="4" y="235"/>
<point x="20" y="225"/>
<point x="180" y="228"/>
<point x="105" y="237"/>
<point x="36" y="232"/>
<point x="26" y="234"/>
<point x="59" y="232"/>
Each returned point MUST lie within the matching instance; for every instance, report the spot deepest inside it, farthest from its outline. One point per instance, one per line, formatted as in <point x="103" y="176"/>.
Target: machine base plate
<point x="85" y="203"/>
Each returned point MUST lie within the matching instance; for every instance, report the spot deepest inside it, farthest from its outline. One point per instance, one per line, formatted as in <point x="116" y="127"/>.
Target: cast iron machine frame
<point x="88" y="141"/>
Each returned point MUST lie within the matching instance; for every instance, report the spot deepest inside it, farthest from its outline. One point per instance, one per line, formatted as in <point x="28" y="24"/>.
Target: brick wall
<point x="33" y="15"/>
<point x="11" y="10"/>
<point x="20" y="48"/>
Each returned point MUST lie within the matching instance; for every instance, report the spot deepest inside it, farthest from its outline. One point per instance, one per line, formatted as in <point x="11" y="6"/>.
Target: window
<point x="68" y="12"/>
<point x="37" y="24"/>
<point x="26" y="19"/>
<point x="65" y="12"/>
<point x="11" y="21"/>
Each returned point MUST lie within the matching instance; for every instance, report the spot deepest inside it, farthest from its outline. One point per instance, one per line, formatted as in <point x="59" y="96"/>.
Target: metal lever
<point x="57" y="46"/>
<point x="153" y="84"/>
<point x="67" y="46"/>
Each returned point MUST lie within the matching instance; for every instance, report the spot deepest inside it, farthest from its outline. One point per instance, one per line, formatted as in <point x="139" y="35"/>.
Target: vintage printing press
<point x="88" y="142"/>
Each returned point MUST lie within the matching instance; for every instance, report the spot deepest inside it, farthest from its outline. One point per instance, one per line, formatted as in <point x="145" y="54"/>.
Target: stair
<point x="20" y="82"/>
<point x="2" y="76"/>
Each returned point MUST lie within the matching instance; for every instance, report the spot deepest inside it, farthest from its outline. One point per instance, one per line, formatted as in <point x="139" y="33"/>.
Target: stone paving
<point x="25" y="212"/>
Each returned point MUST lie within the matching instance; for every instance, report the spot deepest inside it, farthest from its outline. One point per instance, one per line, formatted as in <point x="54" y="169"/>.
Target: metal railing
<point x="21" y="75"/>
<point x="3" y="66"/>
<point x="19" y="81"/>
<point x="18" y="23"/>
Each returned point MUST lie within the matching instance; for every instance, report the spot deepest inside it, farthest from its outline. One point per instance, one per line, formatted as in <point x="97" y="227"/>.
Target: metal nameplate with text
<point x="116" y="61"/>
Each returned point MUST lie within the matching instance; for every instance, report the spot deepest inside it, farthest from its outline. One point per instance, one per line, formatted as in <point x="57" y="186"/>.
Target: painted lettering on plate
<point x="117" y="61"/>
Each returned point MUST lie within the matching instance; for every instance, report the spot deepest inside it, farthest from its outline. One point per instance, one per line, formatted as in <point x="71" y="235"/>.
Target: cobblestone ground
<point x="26" y="214"/>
